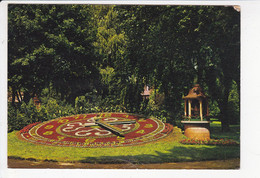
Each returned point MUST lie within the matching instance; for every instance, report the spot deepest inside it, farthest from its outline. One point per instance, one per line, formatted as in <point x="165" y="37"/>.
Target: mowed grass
<point x="215" y="131"/>
<point x="165" y="150"/>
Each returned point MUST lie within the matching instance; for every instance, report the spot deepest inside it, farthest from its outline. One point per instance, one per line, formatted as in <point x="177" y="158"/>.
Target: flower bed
<point x="28" y="127"/>
<point x="84" y="130"/>
<point x="221" y="142"/>
<point x="195" y="118"/>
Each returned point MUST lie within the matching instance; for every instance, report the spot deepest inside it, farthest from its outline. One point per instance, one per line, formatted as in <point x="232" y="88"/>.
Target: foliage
<point x="214" y="109"/>
<point x="14" y="122"/>
<point x="51" y="44"/>
<point x="25" y="115"/>
<point x="121" y="86"/>
<point x="177" y="121"/>
<point x="221" y="142"/>
<point x="154" y="106"/>
<point x="19" y="117"/>
<point x="155" y="100"/>
<point x="234" y="105"/>
<point x="195" y="118"/>
<point x="88" y="58"/>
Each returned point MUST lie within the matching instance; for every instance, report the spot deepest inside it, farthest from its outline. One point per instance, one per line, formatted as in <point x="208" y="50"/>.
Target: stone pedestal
<point x="197" y="129"/>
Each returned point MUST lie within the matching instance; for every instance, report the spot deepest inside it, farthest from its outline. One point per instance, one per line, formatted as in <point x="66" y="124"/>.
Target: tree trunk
<point x="26" y="97"/>
<point x="18" y="98"/>
<point x="13" y="96"/>
<point x="20" y="95"/>
<point x="225" y="120"/>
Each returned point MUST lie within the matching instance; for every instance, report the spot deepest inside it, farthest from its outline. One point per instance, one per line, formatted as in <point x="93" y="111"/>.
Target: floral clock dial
<point x="96" y="130"/>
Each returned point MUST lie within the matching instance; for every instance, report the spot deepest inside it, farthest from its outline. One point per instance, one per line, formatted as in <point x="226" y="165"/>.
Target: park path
<point x="215" y="164"/>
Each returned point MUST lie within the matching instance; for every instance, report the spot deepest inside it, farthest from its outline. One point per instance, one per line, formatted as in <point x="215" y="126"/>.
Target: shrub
<point x="13" y="120"/>
<point x="52" y="108"/>
<point x="81" y="104"/>
<point x="233" y="105"/>
<point x="25" y="114"/>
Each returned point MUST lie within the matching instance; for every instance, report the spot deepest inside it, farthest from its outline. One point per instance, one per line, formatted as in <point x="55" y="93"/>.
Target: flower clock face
<point x="96" y="130"/>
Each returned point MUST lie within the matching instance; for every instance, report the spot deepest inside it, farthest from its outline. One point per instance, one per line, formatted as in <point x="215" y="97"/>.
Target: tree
<point x="52" y="45"/>
<point x="111" y="46"/>
<point x="29" y="59"/>
<point x="156" y="53"/>
<point x="219" y="65"/>
<point x="173" y="46"/>
<point x="116" y="50"/>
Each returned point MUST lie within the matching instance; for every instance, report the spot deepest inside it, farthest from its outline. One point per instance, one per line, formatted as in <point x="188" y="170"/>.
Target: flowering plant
<point x="221" y="142"/>
<point x="195" y="118"/>
<point x="28" y="127"/>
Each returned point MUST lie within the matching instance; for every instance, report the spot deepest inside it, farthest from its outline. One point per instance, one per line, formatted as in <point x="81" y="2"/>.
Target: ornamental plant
<point x="195" y="118"/>
<point x="220" y="142"/>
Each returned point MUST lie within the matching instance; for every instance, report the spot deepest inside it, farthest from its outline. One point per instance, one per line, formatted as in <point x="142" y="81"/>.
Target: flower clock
<point x="96" y="130"/>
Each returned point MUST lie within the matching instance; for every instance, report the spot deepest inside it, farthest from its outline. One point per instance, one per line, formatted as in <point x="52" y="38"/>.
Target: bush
<point x="24" y="114"/>
<point x="234" y="105"/>
<point x="81" y="104"/>
<point x="14" y="122"/>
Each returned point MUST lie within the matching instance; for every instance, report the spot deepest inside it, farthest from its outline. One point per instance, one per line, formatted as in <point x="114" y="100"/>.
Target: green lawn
<point x="234" y="133"/>
<point x="167" y="150"/>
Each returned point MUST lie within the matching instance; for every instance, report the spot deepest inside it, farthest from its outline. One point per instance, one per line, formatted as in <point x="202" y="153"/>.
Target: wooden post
<point x="201" y="111"/>
<point x="207" y="108"/>
<point x="185" y="107"/>
<point x="189" y="107"/>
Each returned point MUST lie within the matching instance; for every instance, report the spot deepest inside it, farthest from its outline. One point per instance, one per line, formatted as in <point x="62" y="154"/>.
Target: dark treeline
<point x="99" y="58"/>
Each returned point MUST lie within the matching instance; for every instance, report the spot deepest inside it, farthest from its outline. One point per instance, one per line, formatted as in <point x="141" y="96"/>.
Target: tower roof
<point x="195" y="92"/>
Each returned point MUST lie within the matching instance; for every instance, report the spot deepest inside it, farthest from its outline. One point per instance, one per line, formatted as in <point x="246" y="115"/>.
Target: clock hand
<point x="122" y="122"/>
<point x="89" y="124"/>
<point x="110" y="127"/>
<point x="111" y="122"/>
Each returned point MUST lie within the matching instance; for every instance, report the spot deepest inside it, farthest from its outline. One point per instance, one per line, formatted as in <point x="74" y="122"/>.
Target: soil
<point x="214" y="164"/>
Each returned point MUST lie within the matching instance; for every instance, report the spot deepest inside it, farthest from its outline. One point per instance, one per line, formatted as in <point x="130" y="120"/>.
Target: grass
<point x="215" y="131"/>
<point x="166" y="150"/>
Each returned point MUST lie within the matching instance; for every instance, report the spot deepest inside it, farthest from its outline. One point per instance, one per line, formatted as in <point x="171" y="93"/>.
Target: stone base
<point x="196" y="129"/>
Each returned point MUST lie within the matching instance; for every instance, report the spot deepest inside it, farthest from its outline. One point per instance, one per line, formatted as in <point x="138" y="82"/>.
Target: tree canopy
<point x="114" y="51"/>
